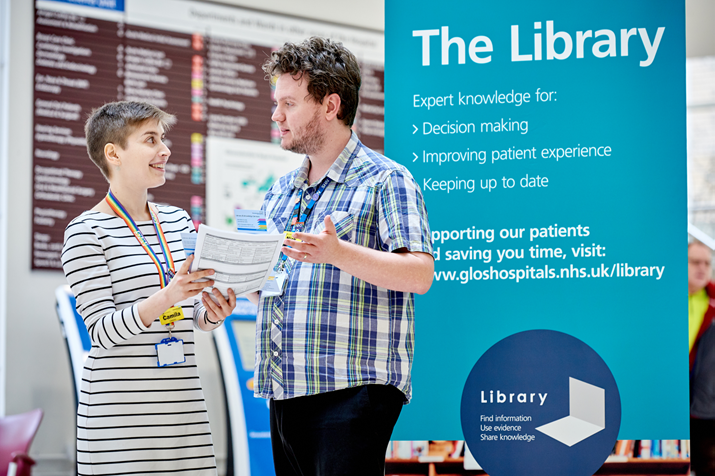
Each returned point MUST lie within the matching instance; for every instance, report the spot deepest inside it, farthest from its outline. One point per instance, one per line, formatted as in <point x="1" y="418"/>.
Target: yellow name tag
<point x="289" y="236"/>
<point x="172" y="314"/>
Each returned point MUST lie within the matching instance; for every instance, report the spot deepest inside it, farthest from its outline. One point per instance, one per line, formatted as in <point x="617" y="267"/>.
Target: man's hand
<point x="325" y="247"/>
<point x="400" y="270"/>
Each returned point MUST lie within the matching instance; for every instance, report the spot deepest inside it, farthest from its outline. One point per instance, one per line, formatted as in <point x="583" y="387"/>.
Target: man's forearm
<point x="398" y="271"/>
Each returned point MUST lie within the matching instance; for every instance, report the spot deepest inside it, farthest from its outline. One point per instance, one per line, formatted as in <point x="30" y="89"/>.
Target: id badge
<point x="288" y="235"/>
<point x="170" y="351"/>
<point x="172" y="314"/>
<point x="275" y="284"/>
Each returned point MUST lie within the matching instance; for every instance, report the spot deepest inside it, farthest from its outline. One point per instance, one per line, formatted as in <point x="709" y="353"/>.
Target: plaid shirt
<point x="330" y="330"/>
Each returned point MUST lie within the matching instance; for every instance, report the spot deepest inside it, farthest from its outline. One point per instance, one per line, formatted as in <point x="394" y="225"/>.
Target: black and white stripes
<point x="134" y="417"/>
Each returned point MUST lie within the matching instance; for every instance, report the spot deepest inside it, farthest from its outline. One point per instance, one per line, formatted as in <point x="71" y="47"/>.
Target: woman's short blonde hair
<point x="114" y="122"/>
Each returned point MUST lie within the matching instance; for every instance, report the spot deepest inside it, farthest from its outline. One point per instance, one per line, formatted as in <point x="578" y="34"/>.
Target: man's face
<point x="698" y="267"/>
<point x="297" y="116"/>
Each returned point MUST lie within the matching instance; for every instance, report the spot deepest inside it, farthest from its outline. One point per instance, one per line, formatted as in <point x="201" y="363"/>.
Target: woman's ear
<point x="111" y="155"/>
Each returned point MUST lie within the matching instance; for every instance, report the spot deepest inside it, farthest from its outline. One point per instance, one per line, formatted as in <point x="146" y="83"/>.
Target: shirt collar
<point x="337" y="172"/>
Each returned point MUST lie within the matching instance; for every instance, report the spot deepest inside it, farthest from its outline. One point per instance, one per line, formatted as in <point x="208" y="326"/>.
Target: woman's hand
<point x="183" y="285"/>
<point x="219" y="310"/>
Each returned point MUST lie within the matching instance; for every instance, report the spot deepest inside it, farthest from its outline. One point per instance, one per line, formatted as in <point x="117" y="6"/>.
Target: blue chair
<point x="75" y="333"/>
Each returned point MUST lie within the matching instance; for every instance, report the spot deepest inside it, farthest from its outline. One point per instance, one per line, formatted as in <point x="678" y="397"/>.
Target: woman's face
<point x="142" y="161"/>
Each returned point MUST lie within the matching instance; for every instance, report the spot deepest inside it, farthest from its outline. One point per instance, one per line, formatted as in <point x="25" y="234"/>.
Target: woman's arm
<point x="85" y="267"/>
<point x="181" y="287"/>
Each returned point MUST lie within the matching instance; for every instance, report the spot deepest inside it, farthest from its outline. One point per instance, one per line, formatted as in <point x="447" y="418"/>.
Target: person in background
<point x="141" y="406"/>
<point x="701" y="312"/>
<point x="335" y="338"/>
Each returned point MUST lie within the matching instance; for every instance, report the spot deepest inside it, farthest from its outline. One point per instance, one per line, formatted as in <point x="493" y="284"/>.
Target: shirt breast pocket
<point x="344" y="225"/>
<point x="276" y="224"/>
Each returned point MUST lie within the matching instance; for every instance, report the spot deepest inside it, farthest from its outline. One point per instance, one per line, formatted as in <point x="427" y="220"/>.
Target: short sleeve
<point x="403" y="221"/>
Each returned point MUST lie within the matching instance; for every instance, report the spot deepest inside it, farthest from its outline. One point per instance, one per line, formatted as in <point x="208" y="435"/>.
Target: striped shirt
<point x="134" y="417"/>
<point x="330" y="330"/>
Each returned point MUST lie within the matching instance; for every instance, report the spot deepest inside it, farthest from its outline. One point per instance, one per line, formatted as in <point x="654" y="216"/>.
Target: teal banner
<point x="549" y="141"/>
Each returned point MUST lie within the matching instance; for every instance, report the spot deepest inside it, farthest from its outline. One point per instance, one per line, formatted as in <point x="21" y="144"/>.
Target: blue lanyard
<point x="297" y="224"/>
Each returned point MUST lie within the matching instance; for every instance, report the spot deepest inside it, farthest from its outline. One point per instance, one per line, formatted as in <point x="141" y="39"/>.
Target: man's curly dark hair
<point x="329" y="66"/>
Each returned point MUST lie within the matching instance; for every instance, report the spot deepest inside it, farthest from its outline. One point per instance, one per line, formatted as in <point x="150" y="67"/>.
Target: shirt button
<point x="275" y="322"/>
<point x="275" y="353"/>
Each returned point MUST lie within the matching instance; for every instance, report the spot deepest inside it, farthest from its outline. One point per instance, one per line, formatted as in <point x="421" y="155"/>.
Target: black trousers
<point x="702" y="446"/>
<point x="339" y="433"/>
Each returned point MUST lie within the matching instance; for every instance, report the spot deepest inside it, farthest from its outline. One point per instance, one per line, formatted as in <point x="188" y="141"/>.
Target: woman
<point x="141" y="406"/>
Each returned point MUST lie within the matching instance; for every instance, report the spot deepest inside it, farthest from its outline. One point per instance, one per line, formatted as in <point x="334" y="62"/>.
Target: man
<point x="701" y="311"/>
<point x="335" y="343"/>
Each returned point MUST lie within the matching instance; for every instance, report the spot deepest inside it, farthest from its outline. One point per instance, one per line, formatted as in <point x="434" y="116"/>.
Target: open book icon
<point x="587" y="414"/>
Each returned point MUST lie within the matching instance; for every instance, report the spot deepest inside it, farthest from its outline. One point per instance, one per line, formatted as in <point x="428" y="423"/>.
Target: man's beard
<point x="307" y="140"/>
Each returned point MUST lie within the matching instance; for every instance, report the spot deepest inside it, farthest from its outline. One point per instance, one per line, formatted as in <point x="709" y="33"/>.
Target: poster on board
<point x="549" y="141"/>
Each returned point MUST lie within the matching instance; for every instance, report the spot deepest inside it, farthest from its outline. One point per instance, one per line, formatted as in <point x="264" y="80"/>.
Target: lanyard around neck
<point x="164" y="276"/>
<point x="297" y="224"/>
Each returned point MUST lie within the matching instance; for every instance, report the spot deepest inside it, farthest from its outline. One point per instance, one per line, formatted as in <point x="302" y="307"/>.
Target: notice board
<point x="199" y="61"/>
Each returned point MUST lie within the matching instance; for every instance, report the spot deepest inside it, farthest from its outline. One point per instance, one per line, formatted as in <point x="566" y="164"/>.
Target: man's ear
<point x="332" y="103"/>
<point x="112" y="154"/>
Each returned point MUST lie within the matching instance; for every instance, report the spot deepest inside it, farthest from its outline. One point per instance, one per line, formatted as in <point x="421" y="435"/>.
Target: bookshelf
<point x="414" y="466"/>
<point x="455" y="466"/>
<point x="446" y="458"/>
<point x="649" y="466"/>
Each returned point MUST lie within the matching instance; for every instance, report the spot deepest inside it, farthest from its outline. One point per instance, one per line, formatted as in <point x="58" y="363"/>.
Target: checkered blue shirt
<point x="330" y="330"/>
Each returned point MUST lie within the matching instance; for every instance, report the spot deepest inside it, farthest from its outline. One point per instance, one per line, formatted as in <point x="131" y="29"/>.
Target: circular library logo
<point x="541" y="403"/>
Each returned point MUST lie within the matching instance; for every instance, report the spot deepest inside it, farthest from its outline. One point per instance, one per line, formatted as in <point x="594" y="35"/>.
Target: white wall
<point x="4" y="111"/>
<point x="38" y="372"/>
<point x="700" y="31"/>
